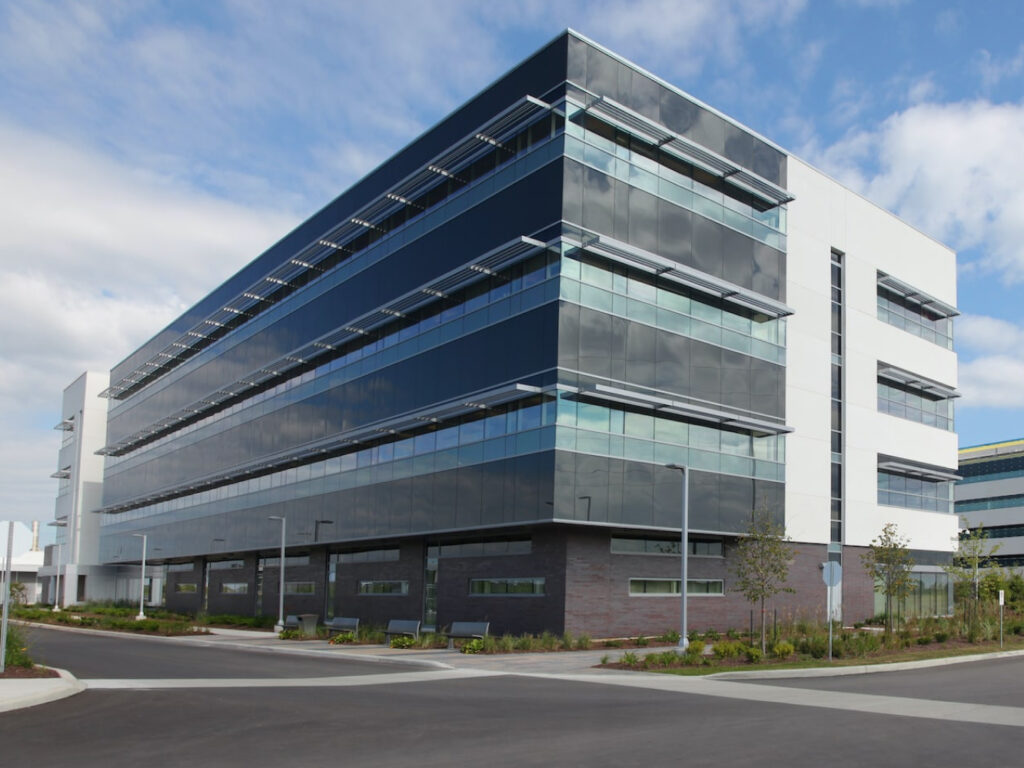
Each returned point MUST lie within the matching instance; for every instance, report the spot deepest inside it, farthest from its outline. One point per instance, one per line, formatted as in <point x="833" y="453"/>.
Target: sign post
<point x="1001" y="618"/>
<point x="831" y="574"/>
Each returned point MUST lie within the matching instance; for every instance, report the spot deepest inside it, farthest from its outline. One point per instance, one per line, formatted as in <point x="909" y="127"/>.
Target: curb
<point x="40" y="691"/>
<point x="862" y="669"/>
<point x="325" y="653"/>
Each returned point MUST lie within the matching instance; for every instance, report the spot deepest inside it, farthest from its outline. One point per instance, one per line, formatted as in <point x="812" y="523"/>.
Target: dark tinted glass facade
<point x="503" y="333"/>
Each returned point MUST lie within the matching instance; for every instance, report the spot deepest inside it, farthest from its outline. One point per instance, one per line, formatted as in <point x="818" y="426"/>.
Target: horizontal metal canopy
<point x="912" y="380"/>
<point x="935" y="306"/>
<point x="258" y="296"/>
<point x="915" y="469"/>
<point x="65" y="425"/>
<point x="477" y="269"/>
<point x="314" y="451"/>
<point x="684" y="410"/>
<point x="63" y="473"/>
<point x="630" y="255"/>
<point x="631" y="122"/>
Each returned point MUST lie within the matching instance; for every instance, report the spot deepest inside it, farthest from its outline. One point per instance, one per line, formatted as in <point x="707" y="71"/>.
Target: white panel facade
<point x="829" y="218"/>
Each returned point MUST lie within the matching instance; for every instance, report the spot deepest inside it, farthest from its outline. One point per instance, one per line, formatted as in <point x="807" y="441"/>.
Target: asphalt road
<point x="90" y="656"/>
<point x="998" y="682"/>
<point x="494" y="721"/>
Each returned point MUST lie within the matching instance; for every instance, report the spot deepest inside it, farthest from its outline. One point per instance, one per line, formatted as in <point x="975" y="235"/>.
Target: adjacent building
<point x="75" y="553"/>
<point x="464" y="389"/>
<point x="990" y="494"/>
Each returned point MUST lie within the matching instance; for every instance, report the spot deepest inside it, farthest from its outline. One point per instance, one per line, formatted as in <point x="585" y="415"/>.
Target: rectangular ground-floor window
<point x="671" y="586"/>
<point x="507" y="587"/>
<point x="186" y="588"/>
<point x="383" y="587"/>
<point x="234" y="588"/>
<point x="299" y="588"/>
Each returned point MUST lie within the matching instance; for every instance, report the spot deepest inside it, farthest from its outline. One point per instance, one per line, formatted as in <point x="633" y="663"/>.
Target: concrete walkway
<point x="576" y="666"/>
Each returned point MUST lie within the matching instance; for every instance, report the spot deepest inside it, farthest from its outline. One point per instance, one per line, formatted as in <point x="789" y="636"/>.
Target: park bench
<point x="341" y="624"/>
<point x="406" y="627"/>
<point x="467" y="630"/>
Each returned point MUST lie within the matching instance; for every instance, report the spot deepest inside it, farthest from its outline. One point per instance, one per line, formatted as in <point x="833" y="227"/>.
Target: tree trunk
<point x="762" y="625"/>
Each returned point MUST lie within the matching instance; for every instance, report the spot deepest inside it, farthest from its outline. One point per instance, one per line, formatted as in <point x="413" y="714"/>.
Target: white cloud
<point x="994" y="381"/>
<point x="95" y="257"/>
<point x="991" y="362"/>
<point x="993" y="71"/>
<point x="951" y="169"/>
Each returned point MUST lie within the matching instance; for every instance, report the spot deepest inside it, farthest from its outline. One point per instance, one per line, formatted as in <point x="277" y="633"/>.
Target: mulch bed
<point x="27" y="672"/>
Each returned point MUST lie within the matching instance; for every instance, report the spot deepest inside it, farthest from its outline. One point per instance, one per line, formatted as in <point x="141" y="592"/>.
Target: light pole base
<point x="684" y="643"/>
<point x="279" y="628"/>
<point x="56" y="608"/>
<point x="140" y="617"/>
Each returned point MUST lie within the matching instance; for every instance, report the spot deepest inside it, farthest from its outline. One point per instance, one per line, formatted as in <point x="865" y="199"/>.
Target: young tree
<point x="761" y="562"/>
<point x="889" y="563"/>
<point x="973" y="565"/>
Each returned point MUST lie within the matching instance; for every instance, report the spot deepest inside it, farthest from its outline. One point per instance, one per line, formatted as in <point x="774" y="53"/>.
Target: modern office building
<point x="26" y="560"/>
<point x="457" y="389"/>
<point x="990" y="493"/>
<point x="75" y="553"/>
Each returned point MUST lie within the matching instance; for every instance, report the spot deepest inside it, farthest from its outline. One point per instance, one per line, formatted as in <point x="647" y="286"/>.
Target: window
<point x="367" y="556"/>
<point x="188" y="588"/>
<point x="179" y="567"/>
<point x="671" y="587"/>
<point x="622" y="545"/>
<point x="289" y="561"/>
<point x="299" y="588"/>
<point x="234" y="588"/>
<point x="225" y="565"/>
<point x="909" y="492"/>
<point x="908" y="403"/>
<point x="482" y="548"/>
<point x="912" y="316"/>
<point x="383" y="587"/>
<point x="507" y="587"/>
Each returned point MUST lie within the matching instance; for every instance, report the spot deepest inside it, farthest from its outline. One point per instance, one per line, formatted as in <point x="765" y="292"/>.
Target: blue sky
<point x="148" y="150"/>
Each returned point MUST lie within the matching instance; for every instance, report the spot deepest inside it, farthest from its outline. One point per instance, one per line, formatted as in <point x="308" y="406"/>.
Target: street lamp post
<point x="684" y="642"/>
<point x="279" y="627"/>
<point x="142" y="578"/>
<point x="60" y="553"/>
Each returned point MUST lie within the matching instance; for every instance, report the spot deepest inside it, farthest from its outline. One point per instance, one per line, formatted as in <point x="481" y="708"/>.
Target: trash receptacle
<point x="307" y="623"/>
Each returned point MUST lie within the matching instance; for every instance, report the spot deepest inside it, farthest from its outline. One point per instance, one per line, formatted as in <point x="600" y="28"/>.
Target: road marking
<point x="961" y="712"/>
<point x="287" y="682"/>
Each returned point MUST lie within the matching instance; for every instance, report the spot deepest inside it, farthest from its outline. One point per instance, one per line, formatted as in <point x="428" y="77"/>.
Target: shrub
<point x="754" y="655"/>
<point x="402" y="641"/>
<point x="525" y="642"/>
<point x="630" y="659"/>
<point x="506" y="643"/>
<point x="783" y="650"/>
<point x="693" y="654"/>
<point x="583" y="643"/>
<point x="612" y="643"/>
<point x="732" y="634"/>
<point x="816" y="646"/>
<point x="568" y="641"/>
<point x="548" y="641"/>
<point x="727" y="649"/>
<point x="604" y="659"/>
<point x="693" y="636"/>
<point x="476" y="645"/>
<point x="711" y="635"/>
<point x="924" y="639"/>
<point x="641" y="641"/>
<point x="941" y="636"/>
<point x="16" y="653"/>
<point x="290" y="634"/>
<point x="669" y="636"/>
<point x="342" y="638"/>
